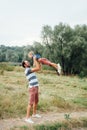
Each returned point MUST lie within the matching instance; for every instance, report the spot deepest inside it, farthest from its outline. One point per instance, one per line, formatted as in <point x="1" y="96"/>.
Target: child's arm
<point x="34" y="61"/>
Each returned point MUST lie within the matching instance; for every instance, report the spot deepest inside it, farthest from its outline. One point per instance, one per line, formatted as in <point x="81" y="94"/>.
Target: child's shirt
<point x="37" y="56"/>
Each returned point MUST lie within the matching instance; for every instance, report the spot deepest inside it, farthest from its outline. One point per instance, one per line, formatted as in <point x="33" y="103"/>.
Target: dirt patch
<point x="8" y="124"/>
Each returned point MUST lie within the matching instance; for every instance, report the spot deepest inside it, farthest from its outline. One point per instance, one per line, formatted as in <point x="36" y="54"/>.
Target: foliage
<point x="62" y="44"/>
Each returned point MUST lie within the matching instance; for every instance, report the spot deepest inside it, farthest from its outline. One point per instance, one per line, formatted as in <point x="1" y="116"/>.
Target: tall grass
<point x="6" y="66"/>
<point x="65" y="125"/>
<point x="58" y="93"/>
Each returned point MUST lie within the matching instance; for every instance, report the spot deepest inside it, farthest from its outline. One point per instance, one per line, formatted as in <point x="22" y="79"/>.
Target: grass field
<point x="58" y="93"/>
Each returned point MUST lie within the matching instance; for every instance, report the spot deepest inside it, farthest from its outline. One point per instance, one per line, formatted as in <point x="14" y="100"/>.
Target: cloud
<point x="27" y="41"/>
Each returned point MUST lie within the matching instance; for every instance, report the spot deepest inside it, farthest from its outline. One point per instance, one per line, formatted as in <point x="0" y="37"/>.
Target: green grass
<point x="5" y="66"/>
<point x="58" y="93"/>
<point x="64" y="125"/>
<point x="81" y="101"/>
<point x="24" y="127"/>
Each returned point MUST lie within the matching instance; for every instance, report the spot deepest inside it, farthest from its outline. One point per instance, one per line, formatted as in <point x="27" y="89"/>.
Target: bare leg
<point x="34" y="111"/>
<point x="54" y="65"/>
<point x="34" y="108"/>
<point x="47" y="62"/>
<point x="28" y="111"/>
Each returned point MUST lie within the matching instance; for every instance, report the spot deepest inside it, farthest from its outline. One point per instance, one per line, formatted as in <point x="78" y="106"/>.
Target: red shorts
<point x="44" y="61"/>
<point x="33" y="95"/>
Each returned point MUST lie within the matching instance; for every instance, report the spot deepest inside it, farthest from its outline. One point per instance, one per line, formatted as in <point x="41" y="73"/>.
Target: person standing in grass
<point x="37" y="57"/>
<point x="33" y="89"/>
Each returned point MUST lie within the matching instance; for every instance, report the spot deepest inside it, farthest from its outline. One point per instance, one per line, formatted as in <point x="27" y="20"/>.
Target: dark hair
<point x="23" y="63"/>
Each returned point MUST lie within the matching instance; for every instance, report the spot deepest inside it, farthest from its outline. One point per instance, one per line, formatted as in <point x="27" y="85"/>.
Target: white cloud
<point x="28" y="41"/>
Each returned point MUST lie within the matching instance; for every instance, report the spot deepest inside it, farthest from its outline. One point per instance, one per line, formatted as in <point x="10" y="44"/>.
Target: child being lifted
<point x="44" y="61"/>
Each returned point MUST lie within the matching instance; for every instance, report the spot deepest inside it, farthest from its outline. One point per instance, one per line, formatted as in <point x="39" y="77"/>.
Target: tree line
<point x="61" y="44"/>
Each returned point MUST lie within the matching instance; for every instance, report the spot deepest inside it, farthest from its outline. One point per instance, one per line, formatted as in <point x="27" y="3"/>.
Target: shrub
<point x="83" y="73"/>
<point x="6" y="66"/>
<point x="60" y="102"/>
<point x="2" y="72"/>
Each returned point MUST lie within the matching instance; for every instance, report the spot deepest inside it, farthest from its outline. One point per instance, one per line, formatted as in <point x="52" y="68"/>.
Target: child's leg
<point x="54" y="65"/>
<point x="47" y="62"/>
<point x="57" y="67"/>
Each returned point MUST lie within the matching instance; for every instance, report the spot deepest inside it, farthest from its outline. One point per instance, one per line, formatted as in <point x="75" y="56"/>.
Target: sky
<point x="21" y="21"/>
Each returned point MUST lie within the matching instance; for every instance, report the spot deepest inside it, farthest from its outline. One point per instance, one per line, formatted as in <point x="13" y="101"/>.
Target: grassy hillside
<point x="58" y="93"/>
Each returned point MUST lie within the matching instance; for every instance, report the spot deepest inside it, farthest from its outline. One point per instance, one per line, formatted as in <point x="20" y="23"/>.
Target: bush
<point x="6" y="66"/>
<point x="83" y="73"/>
<point x="2" y="72"/>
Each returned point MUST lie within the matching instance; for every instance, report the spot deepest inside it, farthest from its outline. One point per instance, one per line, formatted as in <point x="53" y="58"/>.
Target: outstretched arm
<point x="37" y="66"/>
<point x="34" y="61"/>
